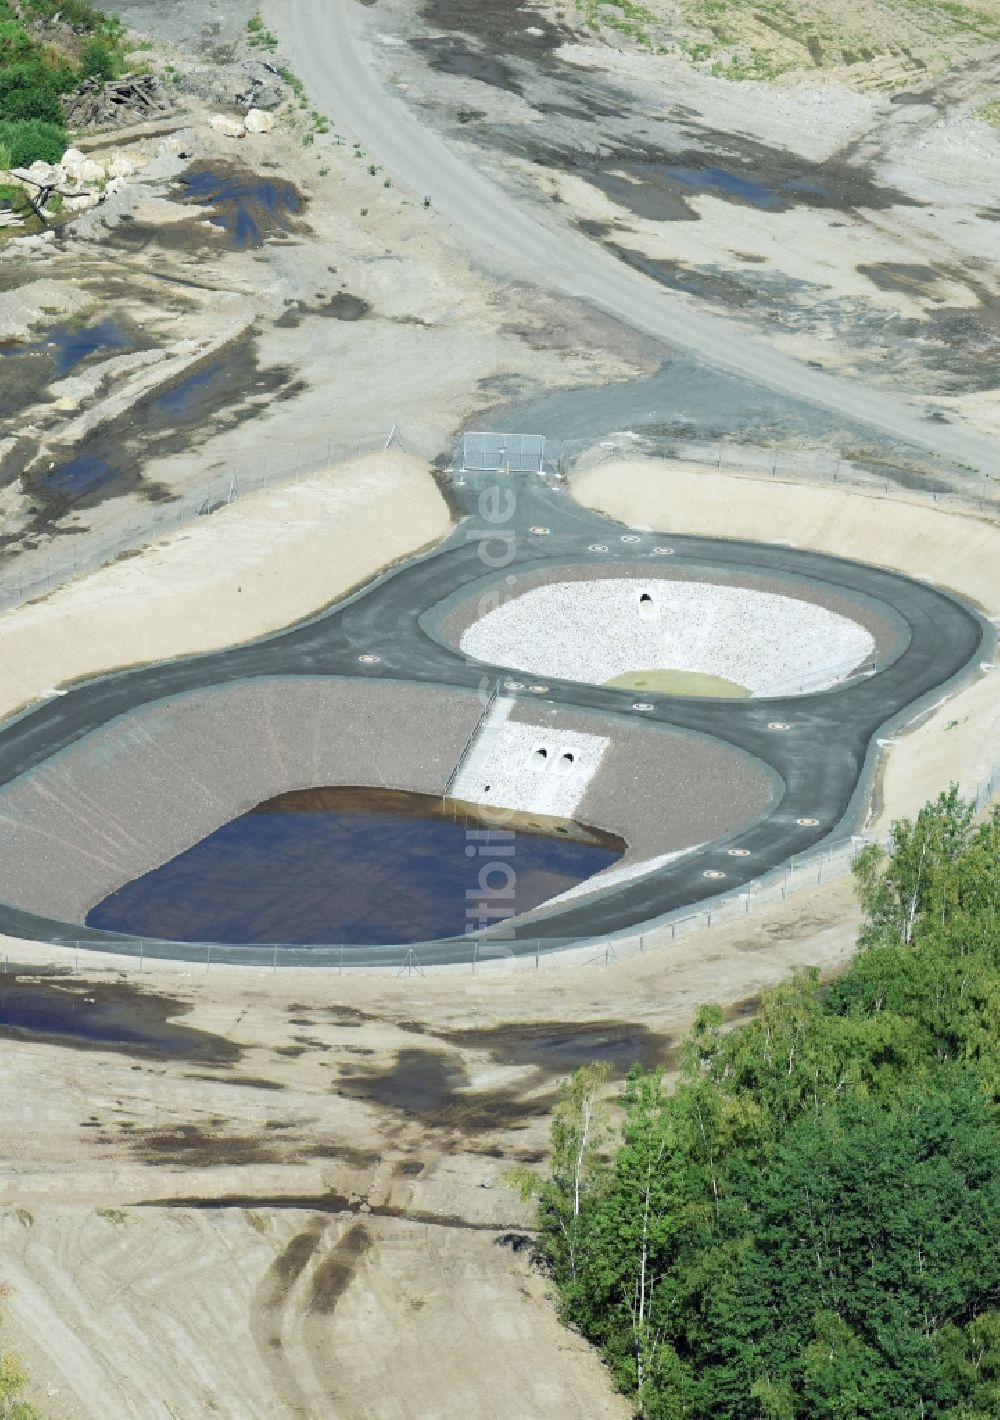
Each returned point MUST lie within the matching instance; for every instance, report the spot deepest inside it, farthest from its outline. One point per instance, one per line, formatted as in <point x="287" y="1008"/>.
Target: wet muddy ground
<point x="168" y="420"/>
<point x="104" y="1015"/>
<point x="653" y="148"/>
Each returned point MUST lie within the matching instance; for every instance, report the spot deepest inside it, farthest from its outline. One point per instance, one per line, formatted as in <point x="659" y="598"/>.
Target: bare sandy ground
<point x="254" y="566"/>
<point x="365" y="1132"/>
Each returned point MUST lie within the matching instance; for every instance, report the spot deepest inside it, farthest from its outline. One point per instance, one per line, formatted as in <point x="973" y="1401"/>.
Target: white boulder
<point x="90" y="172"/>
<point x="120" y="166"/>
<point x="229" y="127"/>
<point x="257" y="121"/>
<point x="71" y="161"/>
<point x="45" y="174"/>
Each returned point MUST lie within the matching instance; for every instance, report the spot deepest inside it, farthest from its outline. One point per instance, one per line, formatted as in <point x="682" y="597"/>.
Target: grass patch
<point x="688" y="683"/>
<point x="625" y="17"/>
<point x="259" y="36"/>
<point x="888" y="42"/>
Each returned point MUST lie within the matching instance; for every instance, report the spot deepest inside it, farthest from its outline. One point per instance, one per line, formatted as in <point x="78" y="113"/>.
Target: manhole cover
<point x="597" y="547"/>
<point x="712" y="873"/>
<point x="641" y="705"/>
<point x="807" y="822"/>
<point x="738" y="852"/>
<point x="540" y="532"/>
<point x="369" y="660"/>
<point x="778" y="725"/>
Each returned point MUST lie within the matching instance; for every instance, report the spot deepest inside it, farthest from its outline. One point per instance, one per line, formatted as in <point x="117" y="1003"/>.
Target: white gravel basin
<point x="595" y="631"/>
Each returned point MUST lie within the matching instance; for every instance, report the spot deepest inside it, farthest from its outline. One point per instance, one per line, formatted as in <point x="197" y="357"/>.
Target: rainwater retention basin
<point x="354" y="866"/>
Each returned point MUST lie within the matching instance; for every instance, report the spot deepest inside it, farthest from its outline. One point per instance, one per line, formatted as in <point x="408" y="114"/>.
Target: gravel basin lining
<point x="594" y="631"/>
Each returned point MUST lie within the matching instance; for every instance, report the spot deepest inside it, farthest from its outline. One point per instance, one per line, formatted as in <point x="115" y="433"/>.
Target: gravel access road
<point x="334" y="58"/>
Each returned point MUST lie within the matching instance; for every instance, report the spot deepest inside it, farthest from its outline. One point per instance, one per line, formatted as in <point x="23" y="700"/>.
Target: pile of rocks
<point x="256" y="121"/>
<point x="78" y="180"/>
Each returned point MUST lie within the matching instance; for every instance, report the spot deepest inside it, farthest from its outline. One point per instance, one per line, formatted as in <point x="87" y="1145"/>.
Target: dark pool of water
<point x="744" y="189"/>
<point x="29" y="367"/>
<point x="69" y="345"/>
<point x="194" y="396"/>
<point x="356" y="872"/>
<point x="248" y="207"/>
<point x="80" y="475"/>
<point x="111" y="1016"/>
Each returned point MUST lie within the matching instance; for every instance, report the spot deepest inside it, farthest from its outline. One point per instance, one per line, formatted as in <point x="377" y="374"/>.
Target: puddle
<point x="249" y="208"/>
<point x="160" y="424"/>
<point x="903" y="276"/>
<point x="114" y="1017"/>
<point x="770" y="179"/>
<point x="80" y="475"/>
<point x="720" y="180"/>
<point x="356" y="866"/>
<point x="70" y="347"/>
<point x="342" y="306"/>
<point x="29" y="367"/>
<point x="194" y="397"/>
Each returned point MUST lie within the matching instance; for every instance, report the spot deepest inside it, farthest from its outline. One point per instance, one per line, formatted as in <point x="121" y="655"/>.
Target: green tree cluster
<point x="808" y="1225"/>
<point x="47" y="48"/>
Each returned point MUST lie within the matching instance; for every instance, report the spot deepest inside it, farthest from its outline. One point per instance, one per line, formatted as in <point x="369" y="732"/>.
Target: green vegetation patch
<point x="692" y="683"/>
<point x="807" y="1227"/>
<point x="887" y="43"/>
<point x="47" y="49"/>
<point x="13" y="1380"/>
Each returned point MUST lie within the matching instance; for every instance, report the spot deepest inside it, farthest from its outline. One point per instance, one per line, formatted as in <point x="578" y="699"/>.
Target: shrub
<point x="30" y="89"/>
<point x="98" y="59"/>
<point x="29" y="139"/>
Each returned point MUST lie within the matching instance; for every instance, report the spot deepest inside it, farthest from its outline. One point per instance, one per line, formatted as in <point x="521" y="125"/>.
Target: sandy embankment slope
<point x="960" y="740"/>
<point x="254" y="567"/>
